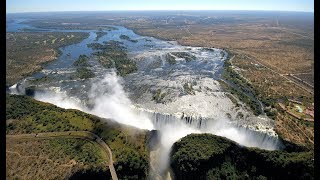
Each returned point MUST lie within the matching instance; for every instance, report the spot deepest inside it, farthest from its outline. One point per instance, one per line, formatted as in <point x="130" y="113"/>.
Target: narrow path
<point x="71" y="134"/>
<point x="301" y="81"/>
<point x="289" y="80"/>
<point x="282" y="75"/>
<point x="275" y="72"/>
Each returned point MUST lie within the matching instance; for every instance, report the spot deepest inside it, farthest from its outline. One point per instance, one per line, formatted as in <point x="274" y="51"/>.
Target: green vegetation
<point x="235" y="101"/>
<point x="188" y="88"/>
<point x="90" y="174"/>
<point x="114" y="54"/>
<point x="187" y="56"/>
<point x="206" y="156"/>
<point x="41" y="79"/>
<point x="207" y="49"/>
<point x="26" y="115"/>
<point x="171" y="59"/>
<point x="27" y="52"/>
<point x="83" y="72"/>
<point x="82" y="61"/>
<point x="265" y="86"/>
<point x="100" y="34"/>
<point x="158" y="96"/>
<point x="72" y="23"/>
<point x="250" y="94"/>
<point x="122" y="36"/>
<point x="241" y="88"/>
<point x="82" y="151"/>
<point x="53" y="158"/>
<point x="129" y="150"/>
<point x="30" y="116"/>
<point x="107" y="28"/>
<point x="288" y="53"/>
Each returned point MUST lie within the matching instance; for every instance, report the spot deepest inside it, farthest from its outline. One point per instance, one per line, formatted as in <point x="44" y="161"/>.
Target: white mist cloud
<point x="110" y="101"/>
<point x="171" y="133"/>
<point x="60" y="99"/>
<point x="243" y="136"/>
<point x="172" y="129"/>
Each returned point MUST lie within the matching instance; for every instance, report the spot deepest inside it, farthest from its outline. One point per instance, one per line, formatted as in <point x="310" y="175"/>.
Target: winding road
<point x="71" y="134"/>
<point x="275" y="72"/>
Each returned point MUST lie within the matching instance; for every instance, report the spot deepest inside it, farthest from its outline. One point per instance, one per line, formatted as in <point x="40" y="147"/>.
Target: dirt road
<point x="71" y="134"/>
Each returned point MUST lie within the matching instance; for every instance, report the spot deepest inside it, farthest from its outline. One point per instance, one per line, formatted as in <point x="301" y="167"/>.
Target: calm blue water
<point x="153" y="69"/>
<point x="146" y="47"/>
<point x="75" y="50"/>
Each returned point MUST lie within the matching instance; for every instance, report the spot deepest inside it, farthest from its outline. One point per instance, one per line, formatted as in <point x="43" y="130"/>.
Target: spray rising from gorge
<point x="109" y="100"/>
<point x="175" y="91"/>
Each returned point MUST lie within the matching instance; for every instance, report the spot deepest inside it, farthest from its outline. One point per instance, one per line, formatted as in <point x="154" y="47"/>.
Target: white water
<point x="109" y="100"/>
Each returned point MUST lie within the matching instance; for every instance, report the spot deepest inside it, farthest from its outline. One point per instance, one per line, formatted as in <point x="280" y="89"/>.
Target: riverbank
<point x="25" y="115"/>
<point x="257" y="77"/>
<point x="29" y="52"/>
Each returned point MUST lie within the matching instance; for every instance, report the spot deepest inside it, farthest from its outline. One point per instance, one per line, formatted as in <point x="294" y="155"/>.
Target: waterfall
<point x="184" y="125"/>
<point x="170" y="127"/>
<point x="243" y="135"/>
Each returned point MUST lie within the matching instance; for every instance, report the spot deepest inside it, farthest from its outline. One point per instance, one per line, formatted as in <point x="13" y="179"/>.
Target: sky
<point x="14" y="6"/>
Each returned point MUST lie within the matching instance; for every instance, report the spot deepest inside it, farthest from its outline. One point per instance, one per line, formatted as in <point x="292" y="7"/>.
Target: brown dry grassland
<point x="27" y="51"/>
<point x="46" y="159"/>
<point x="264" y="51"/>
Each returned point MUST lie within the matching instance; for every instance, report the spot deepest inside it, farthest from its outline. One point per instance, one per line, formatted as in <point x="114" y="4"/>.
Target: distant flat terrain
<point x="245" y="75"/>
<point x="27" y="51"/>
<point x="267" y="47"/>
<point x="274" y="51"/>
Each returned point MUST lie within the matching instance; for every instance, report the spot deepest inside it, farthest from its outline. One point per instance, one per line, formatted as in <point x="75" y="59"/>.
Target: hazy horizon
<point x="108" y="11"/>
<point x="21" y="6"/>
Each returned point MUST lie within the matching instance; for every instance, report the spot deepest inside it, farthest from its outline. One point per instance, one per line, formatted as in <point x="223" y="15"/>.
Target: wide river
<point x="192" y="98"/>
